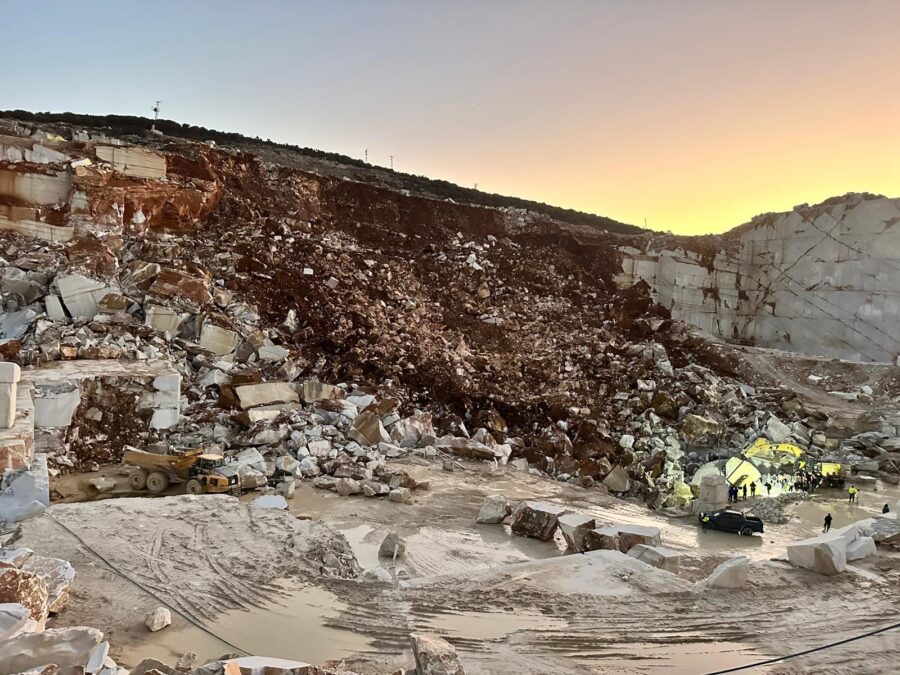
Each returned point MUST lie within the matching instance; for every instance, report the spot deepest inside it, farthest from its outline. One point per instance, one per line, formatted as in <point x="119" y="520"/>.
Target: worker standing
<point x="744" y="491"/>
<point x="753" y="489"/>
<point x="827" y="522"/>
<point x="852" y="492"/>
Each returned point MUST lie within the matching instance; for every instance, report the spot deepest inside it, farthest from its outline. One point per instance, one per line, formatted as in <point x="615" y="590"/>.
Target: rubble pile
<point x="321" y="327"/>
<point x="33" y="588"/>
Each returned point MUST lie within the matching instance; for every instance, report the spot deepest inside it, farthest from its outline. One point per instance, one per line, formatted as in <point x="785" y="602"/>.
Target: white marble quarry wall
<point x="705" y="297"/>
<point x="59" y="388"/>
<point x="821" y="280"/>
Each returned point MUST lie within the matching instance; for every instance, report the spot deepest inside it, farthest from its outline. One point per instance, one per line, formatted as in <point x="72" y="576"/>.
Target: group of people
<point x="734" y="490"/>
<point x="807" y="481"/>
<point x="802" y="481"/>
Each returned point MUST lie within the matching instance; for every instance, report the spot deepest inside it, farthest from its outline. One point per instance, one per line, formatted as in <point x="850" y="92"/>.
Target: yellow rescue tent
<point x="740" y="472"/>
<point x="776" y="453"/>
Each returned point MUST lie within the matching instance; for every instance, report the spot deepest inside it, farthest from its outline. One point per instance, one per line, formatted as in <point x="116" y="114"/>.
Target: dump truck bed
<point x="177" y="464"/>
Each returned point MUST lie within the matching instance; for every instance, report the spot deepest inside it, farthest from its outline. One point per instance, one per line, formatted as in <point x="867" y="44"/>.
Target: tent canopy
<point x="741" y="472"/>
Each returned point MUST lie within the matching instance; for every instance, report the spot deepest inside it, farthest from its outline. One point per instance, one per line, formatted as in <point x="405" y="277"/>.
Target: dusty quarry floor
<point x="261" y="582"/>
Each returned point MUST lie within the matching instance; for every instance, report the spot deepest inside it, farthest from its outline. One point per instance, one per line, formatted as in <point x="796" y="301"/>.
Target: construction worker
<point x="886" y="509"/>
<point x="852" y="492"/>
<point x="744" y="491"/>
<point x="827" y="522"/>
<point x="704" y="520"/>
<point x="753" y="489"/>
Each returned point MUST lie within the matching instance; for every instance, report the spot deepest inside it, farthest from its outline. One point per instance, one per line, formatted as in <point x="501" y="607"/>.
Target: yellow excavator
<point x="201" y="472"/>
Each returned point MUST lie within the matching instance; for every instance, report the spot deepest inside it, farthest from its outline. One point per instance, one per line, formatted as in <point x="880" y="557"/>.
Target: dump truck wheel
<point x="137" y="479"/>
<point x="157" y="482"/>
<point x="194" y="487"/>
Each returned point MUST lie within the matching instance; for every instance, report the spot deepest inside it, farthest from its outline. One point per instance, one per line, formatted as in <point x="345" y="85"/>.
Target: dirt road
<point x="509" y="604"/>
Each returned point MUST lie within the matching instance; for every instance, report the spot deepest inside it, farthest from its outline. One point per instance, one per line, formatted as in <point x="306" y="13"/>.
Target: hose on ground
<point x="769" y="662"/>
<point x="146" y="590"/>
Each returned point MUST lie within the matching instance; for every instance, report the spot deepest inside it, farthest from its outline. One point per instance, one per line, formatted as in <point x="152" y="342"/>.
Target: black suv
<point x="731" y="521"/>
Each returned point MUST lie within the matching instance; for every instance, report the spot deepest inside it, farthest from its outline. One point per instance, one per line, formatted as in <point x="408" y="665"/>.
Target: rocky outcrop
<point x="812" y="280"/>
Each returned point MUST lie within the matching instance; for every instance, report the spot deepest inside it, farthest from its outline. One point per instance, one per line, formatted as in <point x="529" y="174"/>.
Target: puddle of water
<point x="291" y="628"/>
<point x="364" y="546"/>
<point x="491" y="625"/>
<point x="675" y="658"/>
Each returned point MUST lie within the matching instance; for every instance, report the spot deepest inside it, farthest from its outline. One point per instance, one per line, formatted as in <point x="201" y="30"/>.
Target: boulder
<point x="27" y="589"/>
<point x="657" y="556"/>
<point x="713" y="494"/>
<point x="777" y="431"/>
<point x="730" y="574"/>
<point x="824" y="554"/>
<point x="81" y="294"/>
<point x="220" y="341"/>
<point x="347" y="486"/>
<point x="163" y="319"/>
<point x="263" y="665"/>
<point x="250" y="478"/>
<point x="575" y="528"/>
<point x="435" y="656"/>
<point x="13" y="617"/>
<point x="407" y="432"/>
<point x="158" y="619"/>
<point x="368" y="430"/>
<point x="372" y="488"/>
<point x="25" y="493"/>
<point x="14" y="557"/>
<point x="863" y="547"/>
<point x="702" y="432"/>
<point x="67" y="648"/>
<point x="309" y="467"/>
<point x="884" y="530"/>
<point x="148" y="666"/>
<point x="602" y="539"/>
<point x="401" y="495"/>
<point x="617" y="480"/>
<point x="536" y="519"/>
<point x="97" y="659"/>
<point x="265" y="393"/>
<point x="392" y="547"/>
<point x="467" y="448"/>
<point x="627" y="536"/>
<point x="272" y="353"/>
<point x="312" y="391"/>
<point x="494" y="509"/>
<point x="58" y="574"/>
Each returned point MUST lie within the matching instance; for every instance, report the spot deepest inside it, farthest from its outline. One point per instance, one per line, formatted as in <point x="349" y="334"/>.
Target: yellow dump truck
<point x="201" y="472"/>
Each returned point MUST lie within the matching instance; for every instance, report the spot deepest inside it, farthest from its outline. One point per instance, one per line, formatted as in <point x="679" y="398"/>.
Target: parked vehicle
<point x="728" y="520"/>
<point x="201" y="472"/>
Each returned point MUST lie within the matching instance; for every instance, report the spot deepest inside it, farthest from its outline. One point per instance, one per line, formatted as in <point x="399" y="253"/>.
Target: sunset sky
<point x="692" y="114"/>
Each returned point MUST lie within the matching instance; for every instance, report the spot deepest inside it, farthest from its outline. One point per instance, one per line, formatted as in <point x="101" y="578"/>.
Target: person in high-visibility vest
<point x="852" y="492"/>
<point x="704" y="521"/>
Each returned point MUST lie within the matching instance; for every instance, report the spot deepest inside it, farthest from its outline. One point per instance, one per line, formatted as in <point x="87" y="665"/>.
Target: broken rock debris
<point x="183" y="295"/>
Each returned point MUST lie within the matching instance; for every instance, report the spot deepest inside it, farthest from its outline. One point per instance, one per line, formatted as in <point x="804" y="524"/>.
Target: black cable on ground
<point x="146" y="590"/>
<point x="769" y="662"/>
